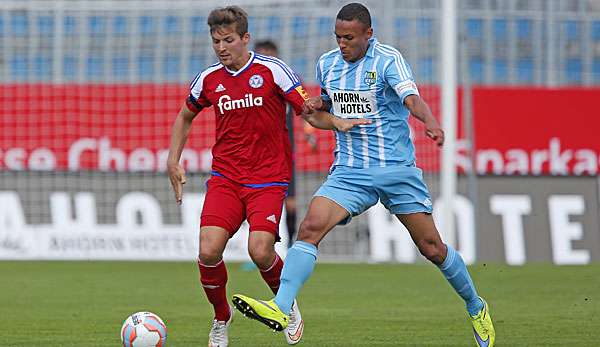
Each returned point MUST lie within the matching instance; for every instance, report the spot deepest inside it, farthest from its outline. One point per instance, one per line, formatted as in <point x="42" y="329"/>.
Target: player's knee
<point x="433" y="251"/>
<point x="263" y="258"/>
<point x="209" y="255"/>
<point x="311" y="230"/>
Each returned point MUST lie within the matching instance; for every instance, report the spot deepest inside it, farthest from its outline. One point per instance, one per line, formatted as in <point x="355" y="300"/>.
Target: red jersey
<point x="252" y="142"/>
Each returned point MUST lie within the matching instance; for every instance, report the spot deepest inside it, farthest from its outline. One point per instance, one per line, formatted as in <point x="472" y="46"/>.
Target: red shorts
<point x="228" y="204"/>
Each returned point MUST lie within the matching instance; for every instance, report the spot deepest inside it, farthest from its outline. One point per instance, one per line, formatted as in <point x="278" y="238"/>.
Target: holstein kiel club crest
<point x="256" y="81"/>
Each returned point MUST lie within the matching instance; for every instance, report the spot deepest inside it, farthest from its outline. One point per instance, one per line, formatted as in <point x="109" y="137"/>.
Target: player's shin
<point x="273" y="273"/>
<point x="299" y="265"/>
<point x="455" y="271"/>
<point x="214" y="281"/>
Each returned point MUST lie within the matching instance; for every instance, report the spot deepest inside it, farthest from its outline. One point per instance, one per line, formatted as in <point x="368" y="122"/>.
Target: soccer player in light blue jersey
<point x="375" y="161"/>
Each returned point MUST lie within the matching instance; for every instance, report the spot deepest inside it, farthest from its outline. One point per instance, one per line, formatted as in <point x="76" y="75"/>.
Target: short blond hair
<point x="226" y="16"/>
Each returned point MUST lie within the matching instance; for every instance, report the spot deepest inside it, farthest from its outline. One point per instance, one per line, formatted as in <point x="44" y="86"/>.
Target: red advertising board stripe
<point x="537" y="130"/>
<point x="119" y="127"/>
<point x="127" y="127"/>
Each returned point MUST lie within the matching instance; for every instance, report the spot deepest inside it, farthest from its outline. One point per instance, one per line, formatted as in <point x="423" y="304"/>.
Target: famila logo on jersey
<point x="226" y="104"/>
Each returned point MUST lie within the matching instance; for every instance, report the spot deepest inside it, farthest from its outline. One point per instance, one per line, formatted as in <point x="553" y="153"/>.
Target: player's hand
<point x="312" y="104"/>
<point x="435" y="133"/>
<point x="177" y="178"/>
<point x="344" y="125"/>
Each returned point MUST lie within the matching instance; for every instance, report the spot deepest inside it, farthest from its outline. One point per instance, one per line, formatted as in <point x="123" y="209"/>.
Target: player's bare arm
<point x="422" y="112"/>
<point x="313" y="113"/>
<point x="179" y="134"/>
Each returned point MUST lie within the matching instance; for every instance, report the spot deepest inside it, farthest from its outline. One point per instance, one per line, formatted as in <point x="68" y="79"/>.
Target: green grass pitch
<point x="84" y="303"/>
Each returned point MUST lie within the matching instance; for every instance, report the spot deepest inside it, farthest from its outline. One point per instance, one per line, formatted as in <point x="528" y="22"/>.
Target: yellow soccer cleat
<point x="483" y="328"/>
<point x="265" y="312"/>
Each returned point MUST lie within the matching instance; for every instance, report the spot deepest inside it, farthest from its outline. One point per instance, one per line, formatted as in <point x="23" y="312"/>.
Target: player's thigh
<point x="422" y="230"/>
<point x="263" y="207"/>
<point x="350" y="188"/>
<point x="223" y="206"/>
<point x="402" y="190"/>
<point x="322" y="216"/>
<point x="421" y="227"/>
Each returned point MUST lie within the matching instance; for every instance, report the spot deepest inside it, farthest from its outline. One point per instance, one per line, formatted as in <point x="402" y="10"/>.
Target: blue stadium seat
<point x="19" y="24"/>
<point x="273" y="25"/>
<point x="574" y="67"/>
<point x="476" y="69"/>
<point x="2" y="30"/>
<point x="97" y="25"/>
<point x="596" y="30"/>
<point x="42" y="67"/>
<point x="147" y="25"/>
<point x="402" y="26"/>
<point x="325" y="26"/>
<point x="252" y="24"/>
<point x="45" y="25"/>
<point x="196" y="63"/>
<point x="199" y="26"/>
<point x="500" y="71"/>
<point x="69" y="67"/>
<point x="70" y="25"/>
<point x="524" y="30"/>
<point x="571" y="30"/>
<point x="94" y="67"/>
<point x="120" y="25"/>
<point x="525" y="70"/>
<point x="424" y="27"/>
<point x="120" y="67"/>
<point x="19" y="67"/>
<point x="474" y="28"/>
<point x="146" y="67"/>
<point x="500" y="29"/>
<point x="171" y="67"/>
<point x="596" y="70"/>
<point x="300" y="66"/>
<point x="375" y="24"/>
<point x="300" y="26"/>
<point x="172" y="25"/>
<point x="425" y="69"/>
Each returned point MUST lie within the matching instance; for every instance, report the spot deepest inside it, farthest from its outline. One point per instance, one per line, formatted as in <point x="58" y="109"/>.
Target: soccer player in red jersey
<point x="251" y="158"/>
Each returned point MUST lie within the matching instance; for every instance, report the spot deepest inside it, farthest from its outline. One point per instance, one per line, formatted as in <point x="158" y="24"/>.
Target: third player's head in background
<point x="266" y="47"/>
<point x="353" y="31"/>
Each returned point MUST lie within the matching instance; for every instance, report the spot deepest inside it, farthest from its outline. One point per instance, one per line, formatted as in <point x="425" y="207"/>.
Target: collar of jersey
<point x="371" y="49"/>
<point x="248" y="63"/>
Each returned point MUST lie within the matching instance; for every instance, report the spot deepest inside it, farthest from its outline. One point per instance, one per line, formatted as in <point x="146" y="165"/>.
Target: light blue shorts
<point x="401" y="189"/>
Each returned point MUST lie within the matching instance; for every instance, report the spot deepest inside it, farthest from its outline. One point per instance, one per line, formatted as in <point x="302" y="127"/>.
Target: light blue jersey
<point x="373" y="87"/>
<point x="376" y="161"/>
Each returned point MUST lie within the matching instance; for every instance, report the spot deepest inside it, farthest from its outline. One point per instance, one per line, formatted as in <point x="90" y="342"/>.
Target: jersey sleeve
<point x="196" y="101"/>
<point x="398" y="75"/>
<point x="287" y="81"/>
<point x="285" y="78"/>
<point x="296" y="98"/>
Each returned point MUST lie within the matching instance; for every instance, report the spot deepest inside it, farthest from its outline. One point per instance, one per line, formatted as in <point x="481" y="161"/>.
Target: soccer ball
<point x="144" y="329"/>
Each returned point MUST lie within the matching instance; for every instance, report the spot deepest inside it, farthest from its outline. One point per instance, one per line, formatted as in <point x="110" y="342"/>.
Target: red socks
<point x="214" y="282"/>
<point x="272" y="274"/>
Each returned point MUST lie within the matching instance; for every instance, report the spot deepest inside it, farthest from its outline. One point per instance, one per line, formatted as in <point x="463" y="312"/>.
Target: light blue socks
<point x="456" y="273"/>
<point x="299" y="265"/>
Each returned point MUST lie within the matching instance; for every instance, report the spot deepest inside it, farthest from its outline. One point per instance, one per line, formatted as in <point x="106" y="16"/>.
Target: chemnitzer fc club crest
<point x="370" y="77"/>
<point x="256" y="81"/>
